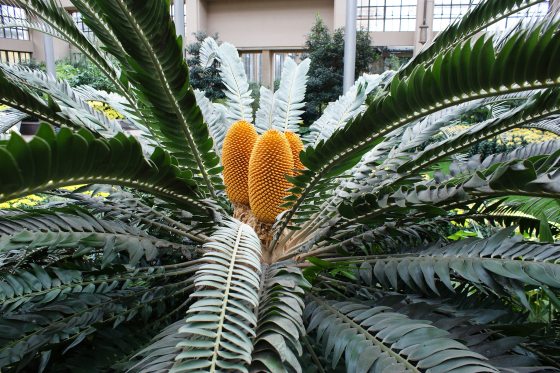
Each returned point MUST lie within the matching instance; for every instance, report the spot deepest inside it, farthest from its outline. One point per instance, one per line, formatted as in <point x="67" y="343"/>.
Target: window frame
<point x="9" y="13"/>
<point x="14" y="57"/>
<point x="380" y="17"/>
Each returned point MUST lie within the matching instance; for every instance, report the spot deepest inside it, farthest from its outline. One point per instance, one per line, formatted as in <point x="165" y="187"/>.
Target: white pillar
<point x="424" y="33"/>
<point x="350" y="45"/>
<point x="49" y="55"/>
<point x="267" y="74"/>
<point x="179" y="11"/>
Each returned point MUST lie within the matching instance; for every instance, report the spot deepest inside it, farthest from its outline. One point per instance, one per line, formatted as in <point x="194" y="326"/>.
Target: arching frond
<point x="60" y="21"/>
<point x="497" y="264"/>
<point x="220" y="323"/>
<point x="160" y="355"/>
<point x="264" y="118"/>
<point x="9" y="118"/>
<point x="22" y="235"/>
<point x="26" y="101"/>
<point x="91" y="16"/>
<point x="288" y="99"/>
<point x="215" y="117"/>
<point x="50" y="161"/>
<point x="78" y="112"/>
<point x="551" y="124"/>
<point x="160" y="73"/>
<point x="479" y="17"/>
<point x="378" y="339"/>
<point x="282" y="109"/>
<point x="280" y="324"/>
<point x="401" y="105"/>
<point x="233" y="76"/>
<point x="502" y="179"/>
<point x="62" y="307"/>
<point x="347" y="107"/>
<point x="474" y="163"/>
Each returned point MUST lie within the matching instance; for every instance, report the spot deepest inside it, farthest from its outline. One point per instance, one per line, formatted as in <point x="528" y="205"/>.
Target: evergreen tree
<point x="326" y="51"/>
<point x="207" y="80"/>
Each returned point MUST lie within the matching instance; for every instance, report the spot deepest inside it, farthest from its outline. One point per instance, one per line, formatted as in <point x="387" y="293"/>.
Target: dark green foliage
<point x="489" y="147"/>
<point x="161" y="77"/>
<point x="419" y="258"/>
<point x="84" y="72"/>
<point x="69" y="158"/>
<point x="326" y="51"/>
<point x="205" y="79"/>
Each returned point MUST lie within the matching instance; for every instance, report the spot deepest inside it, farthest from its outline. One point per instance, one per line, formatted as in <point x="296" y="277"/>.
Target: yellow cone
<point x="296" y="145"/>
<point x="271" y="160"/>
<point x="236" y="152"/>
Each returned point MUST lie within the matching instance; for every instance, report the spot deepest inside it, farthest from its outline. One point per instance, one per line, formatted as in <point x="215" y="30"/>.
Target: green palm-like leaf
<point x="221" y="321"/>
<point x="280" y="324"/>
<point x="71" y="108"/>
<point x="78" y="158"/>
<point x="476" y="20"/>
<point x="81" y="234"/>
<point x="91" y="12"/>
<point x="481" y="65"/>
<point x="131" y="210"/>
<point x="160" y="73"/>
<point x="496" y="263"/>
<point x="70" y="317"/>
<point x="534" y="111"/>
<point x="161" y="353"/>
<point x="60" y="21"/>
<point x="28" y="102"/>
<point x="376" y="339"/>
<point x="9" y="118"/>
<point x="501" y="179"/>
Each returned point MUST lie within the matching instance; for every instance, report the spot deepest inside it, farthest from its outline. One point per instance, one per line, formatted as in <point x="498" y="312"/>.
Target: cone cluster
<point x="255" y="168"/>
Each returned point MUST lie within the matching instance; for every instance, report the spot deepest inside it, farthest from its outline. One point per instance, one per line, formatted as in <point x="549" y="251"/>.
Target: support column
<point x="424" y="24"/>
<point x="196" y="19"/>
<point x="49" y="55"/>
<point x="350" y="45"/>
<point x="267" y="73"/>
<point x="179" y="10"/>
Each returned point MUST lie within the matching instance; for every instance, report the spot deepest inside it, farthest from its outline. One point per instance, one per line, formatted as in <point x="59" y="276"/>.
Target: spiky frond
<point x="159" y="72"/>
<point x="59" y="23"/>
<point x="497" y="264"/>
<point x="9" y="118"/>
<point x="282" y="110"/>
<point x="401" y="104"/>
<point x="347" y="107"/>
<point x="69" y="158"/>
<point x="378" y="339"/>
<point x="22" y="235"/>
<point x="220" y="323"/>
<point x="280" y="324"/>
<point x="99" y="277"/>
<point x="233" y="75"/>
<point x="69" y="102"/>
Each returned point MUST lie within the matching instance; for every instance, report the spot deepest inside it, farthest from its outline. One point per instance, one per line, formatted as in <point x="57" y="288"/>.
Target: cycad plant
<point x="358" y="271"/>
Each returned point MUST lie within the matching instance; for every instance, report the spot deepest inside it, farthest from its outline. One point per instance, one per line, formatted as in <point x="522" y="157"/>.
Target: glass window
<point x="387" y="15"/>
<point x="12" y="14"/>
<point x="77" y="17"/>
<point x="11" y="57"/>
<point x="253" y="66"/>
<point x="447" y="11"/>
<point x="172" y="11"/>
<point x="279" y="59"/>
<point x="536" y="11"/>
